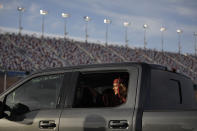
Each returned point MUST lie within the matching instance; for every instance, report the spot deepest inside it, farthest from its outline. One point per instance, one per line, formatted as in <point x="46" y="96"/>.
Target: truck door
<point x="34" y="104"/>
<point x="89" y="106"/>
<point x="169" y="103"/>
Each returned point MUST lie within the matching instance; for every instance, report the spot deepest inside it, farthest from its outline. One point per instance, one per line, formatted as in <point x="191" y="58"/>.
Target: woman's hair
<point x="123" y="90"/>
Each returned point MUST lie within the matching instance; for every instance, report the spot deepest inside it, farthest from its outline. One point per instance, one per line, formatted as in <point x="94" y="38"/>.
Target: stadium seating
<point x="30" y="53"/>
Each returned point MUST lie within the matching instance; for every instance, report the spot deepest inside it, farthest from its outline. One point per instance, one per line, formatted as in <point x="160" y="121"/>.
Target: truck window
<point x="38" y="93"/>
<point x="165" y="91"/>
<point x="100" y="89"/>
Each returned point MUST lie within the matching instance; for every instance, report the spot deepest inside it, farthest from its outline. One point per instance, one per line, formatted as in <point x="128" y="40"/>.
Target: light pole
<point x="162" y="29"/>
<point x="87" y="19"/>
<point x="126" y="24"/>
<point x="20" y="10"/>
<point x="43" y="13"/>
<point x="65" y="16"/>
<point x="195" y="46"/>
<point x="5" y="80"/>
<point x="106" y="21"/>
<point x="179" y="31"/>
<point x="145" y="26"/>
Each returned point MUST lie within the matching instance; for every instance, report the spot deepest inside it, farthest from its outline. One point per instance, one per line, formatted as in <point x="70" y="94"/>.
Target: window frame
<point x="127" y="69"/>
<point x="29" y="78"/>
<point x="22" y="86"/>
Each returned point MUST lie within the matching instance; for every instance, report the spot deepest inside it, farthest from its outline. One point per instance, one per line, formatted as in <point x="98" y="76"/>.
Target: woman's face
<point x="115" y="88"/>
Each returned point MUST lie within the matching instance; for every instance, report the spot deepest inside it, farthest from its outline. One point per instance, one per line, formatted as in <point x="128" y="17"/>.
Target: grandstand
<point x="29" y="53"/>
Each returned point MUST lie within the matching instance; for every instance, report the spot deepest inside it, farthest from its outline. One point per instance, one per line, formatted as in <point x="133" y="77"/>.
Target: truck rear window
<point x="97" y="89"/>
<point x="165" y="91"/>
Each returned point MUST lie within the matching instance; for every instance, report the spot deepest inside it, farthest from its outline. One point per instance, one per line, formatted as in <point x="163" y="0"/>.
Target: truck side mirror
<point x="19" y="109"/>
<point x="18" y="112"/>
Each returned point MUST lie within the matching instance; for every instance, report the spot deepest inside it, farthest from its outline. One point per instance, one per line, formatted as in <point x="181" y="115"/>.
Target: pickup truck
<point x="61" y="99"/>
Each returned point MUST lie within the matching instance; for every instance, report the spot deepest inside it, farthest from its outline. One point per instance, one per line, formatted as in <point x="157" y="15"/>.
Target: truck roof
<point x="91" y="66"/>
<point x="153" y="66"/>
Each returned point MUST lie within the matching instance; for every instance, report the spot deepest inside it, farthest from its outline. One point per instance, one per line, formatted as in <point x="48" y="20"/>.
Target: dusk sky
<point x="172" y="14"/>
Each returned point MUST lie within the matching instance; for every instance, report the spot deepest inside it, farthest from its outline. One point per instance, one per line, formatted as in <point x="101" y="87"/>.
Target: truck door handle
<point x="118" y="124"/>
<point x="47" y="124"/>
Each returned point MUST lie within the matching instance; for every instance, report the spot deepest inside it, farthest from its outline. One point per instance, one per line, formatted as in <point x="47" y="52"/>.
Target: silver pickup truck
<point x="81" y="98"/>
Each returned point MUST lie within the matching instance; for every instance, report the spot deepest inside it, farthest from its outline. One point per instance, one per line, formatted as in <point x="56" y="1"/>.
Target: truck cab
<point x="79" y="98"/>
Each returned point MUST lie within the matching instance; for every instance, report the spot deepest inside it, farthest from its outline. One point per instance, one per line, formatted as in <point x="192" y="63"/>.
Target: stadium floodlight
<point x="106" y="21"/>
<point x="20" y="10"/>
<point x="87" y="19"/>
<point x="195" y="44"/>
<point x="145" y="26"/>
<point x="43" y="13"/>
<point x="179" y="31"/>
<point x="65" y="16"/>
<point x="126" y="24"/>
<point x="162" y="29"/>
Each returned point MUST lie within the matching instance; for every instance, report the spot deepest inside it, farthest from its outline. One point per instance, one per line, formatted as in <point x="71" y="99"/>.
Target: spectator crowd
<point x="30" y="53"/>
